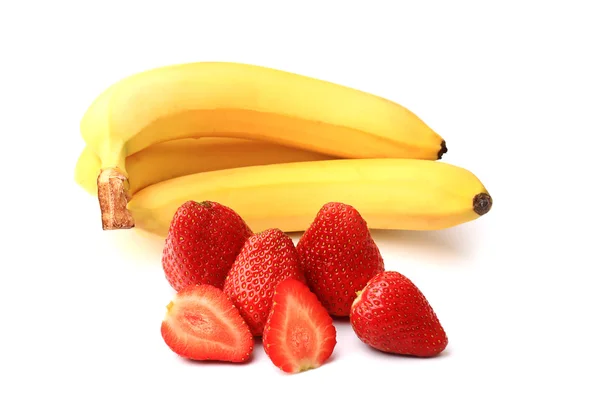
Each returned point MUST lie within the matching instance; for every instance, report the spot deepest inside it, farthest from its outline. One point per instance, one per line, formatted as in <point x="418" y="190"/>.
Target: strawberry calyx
<point x="357" y="299"/>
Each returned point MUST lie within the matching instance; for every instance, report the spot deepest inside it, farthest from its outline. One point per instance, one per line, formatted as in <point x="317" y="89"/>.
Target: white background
<point x="512" y="86"/>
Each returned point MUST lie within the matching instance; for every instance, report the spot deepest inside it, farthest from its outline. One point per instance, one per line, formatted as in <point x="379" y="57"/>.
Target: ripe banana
<point x="389" y="193"/>
<point x="180" y="157"/>
<point x="247" y="102"/>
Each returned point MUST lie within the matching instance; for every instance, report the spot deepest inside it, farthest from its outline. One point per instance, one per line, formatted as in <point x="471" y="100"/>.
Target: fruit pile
<point x="233" y="285"/>
<point x="223" y="160"/>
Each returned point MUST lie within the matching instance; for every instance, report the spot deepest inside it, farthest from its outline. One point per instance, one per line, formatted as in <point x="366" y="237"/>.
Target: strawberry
<point x="392" y="315"/>
<point x="203" y="241"/>
<point x="202" y="324"/>
<point x="338" y="256"/>
<point x="299" y="334"/>
<point x="266" y="259"/>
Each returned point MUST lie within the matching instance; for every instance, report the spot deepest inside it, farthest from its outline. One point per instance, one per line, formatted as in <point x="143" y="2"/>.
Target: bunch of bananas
<point x="272" y="145"/>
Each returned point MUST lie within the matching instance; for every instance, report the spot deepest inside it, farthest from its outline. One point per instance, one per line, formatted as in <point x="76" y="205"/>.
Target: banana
<point x="180" y="157"/>
<point x="389" y="193"/>
<point x="87" y="169"/>
<point x="247" y="102"/>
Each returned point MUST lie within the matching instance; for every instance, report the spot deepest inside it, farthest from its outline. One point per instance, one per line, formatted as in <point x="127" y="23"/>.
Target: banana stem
<point x="113" y="197"/>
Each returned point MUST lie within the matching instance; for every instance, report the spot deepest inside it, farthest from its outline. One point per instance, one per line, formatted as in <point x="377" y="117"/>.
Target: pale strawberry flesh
<point x="299" y="334"/>
<point x="202" y="324"/>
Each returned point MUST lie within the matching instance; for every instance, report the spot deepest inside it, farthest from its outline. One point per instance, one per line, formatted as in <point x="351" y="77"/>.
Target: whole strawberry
<point x="338" y="256"/>
<point x="203" y="241"/>
<point x="266" y="259"/>
<point x="392" y="315"/>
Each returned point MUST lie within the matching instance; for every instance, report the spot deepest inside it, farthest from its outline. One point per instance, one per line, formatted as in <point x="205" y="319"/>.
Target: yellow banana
<point x="247" y="102"/>
<point x="180" y="157"/>
<point x="389" y="193"/>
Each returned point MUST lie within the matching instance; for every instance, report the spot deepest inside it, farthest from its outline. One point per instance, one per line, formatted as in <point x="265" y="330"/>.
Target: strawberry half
<point x="266" y="259"/>
<point x="202" y="324"/>
<point x="203" y="241"/>
<point x="299" y="334"/>
<point x="392" y="315"/>
<point x="338" y="256"/>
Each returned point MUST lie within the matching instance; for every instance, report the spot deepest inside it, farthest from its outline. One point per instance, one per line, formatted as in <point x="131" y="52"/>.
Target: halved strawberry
<point x="299" y="334"/>
<point x="203" y="324"/>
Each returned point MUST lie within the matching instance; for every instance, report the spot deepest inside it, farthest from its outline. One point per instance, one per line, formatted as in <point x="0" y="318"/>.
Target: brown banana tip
<point x="482" y="203"/>
<point x="443" y="150"/>
<point x="113" y="198"/>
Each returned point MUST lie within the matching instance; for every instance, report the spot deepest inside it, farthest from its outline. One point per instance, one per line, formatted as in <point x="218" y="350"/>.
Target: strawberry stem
<point x="169" y="306"/>
<point x="206" y="204"/>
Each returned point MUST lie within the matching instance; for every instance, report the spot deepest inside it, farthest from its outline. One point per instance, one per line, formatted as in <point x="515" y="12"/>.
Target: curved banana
<point x="247" y="102"/>
<point x="180" y="157"/>
<point x="389" y="193"/>
<point x="87" y="169"/>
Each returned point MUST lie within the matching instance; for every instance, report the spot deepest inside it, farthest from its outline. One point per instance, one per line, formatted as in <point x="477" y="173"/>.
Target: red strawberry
<point x="392" y="315"/>
<point x="338" y="256"/>
<point x="299" y="333"/>
<point x="203" y="241"/>
<point x="266" y="259"/>
<point x="202" y="324"/>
